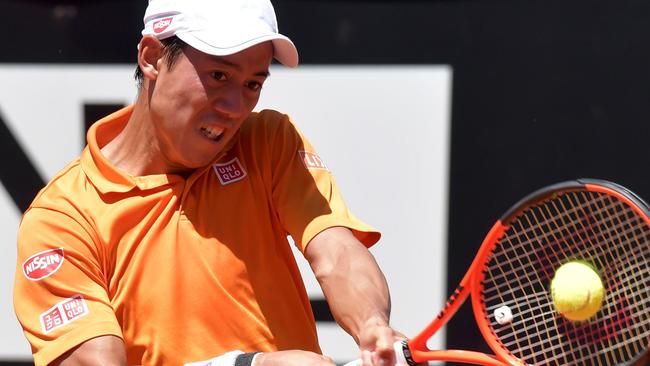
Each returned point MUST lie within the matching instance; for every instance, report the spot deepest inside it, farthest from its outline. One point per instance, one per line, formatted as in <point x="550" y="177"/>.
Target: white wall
<point x="382" y="130"/>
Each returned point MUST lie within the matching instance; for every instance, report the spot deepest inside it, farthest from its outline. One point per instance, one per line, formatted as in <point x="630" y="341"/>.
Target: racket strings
<point x="542" y="315"/>
<point x="515" y="254"/>
<point x="520" y="252"/>
<point x="592" y="334"/>
<point x="540" y="299"/>
<point x="544" y="234"/>
<point x="622" y="233"/>
<point x="574" y="225"/>
<point x="555" y="231"/>
<point x="635" y="269"/>
<point x="586" y="353"/>
<point x="504" y="276"/>
<point x="552" y="251"/>
<point x="624" y="319"/>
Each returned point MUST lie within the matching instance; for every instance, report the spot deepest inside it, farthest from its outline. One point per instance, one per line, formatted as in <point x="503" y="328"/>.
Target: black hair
<point x="171" y="48"/>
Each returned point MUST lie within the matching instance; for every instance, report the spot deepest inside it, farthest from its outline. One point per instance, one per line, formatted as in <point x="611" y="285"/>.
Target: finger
<point x="366" y="358"/>
<point x="384" y="358"/>
<point x="378" y="361"/>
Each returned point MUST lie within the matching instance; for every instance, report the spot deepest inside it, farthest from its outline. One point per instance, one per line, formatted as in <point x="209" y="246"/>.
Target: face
<point x="198" y="105"/>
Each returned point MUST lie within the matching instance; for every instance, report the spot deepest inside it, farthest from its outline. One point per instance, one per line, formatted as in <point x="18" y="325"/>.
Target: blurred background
<point x="511" y="95"/>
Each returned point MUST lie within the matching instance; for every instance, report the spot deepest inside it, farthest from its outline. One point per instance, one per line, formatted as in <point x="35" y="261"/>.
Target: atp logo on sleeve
<point x="43" y="264"/>
<point x="312" y="160"/>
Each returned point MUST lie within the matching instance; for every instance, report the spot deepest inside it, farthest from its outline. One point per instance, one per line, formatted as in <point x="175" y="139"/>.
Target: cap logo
<point x="311" y="160"/>
<point x="159" y="26"/>
<point x="43" y="264"/>
<point x="63" y="313"/>
<point x="229" y="172"/>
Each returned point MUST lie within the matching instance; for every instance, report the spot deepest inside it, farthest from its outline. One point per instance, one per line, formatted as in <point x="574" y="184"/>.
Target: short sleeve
<point x="60" y="291"/>
<point x="305" y="193"/>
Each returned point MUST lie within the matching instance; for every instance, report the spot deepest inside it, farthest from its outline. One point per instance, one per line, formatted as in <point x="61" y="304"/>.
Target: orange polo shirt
<point x="181" y="269"/>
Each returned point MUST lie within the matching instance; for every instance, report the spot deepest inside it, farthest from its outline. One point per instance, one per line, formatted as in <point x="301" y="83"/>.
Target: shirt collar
<point x="105" y="176"/>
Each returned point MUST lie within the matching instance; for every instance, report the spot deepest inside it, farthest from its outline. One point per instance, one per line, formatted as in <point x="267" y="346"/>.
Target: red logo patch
<point x="63" y="313"/>
<point x="230" y="171"/>
<point x="43" y="264"/>
<point x="311" y="160"/>
<point x="159" y="26"/>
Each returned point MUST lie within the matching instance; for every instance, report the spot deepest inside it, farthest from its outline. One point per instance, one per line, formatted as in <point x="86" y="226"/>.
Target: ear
<point x="150" y="56"/>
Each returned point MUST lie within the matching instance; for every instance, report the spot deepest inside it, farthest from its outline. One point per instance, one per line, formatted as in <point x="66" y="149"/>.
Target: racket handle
<point x="400" y="347"/>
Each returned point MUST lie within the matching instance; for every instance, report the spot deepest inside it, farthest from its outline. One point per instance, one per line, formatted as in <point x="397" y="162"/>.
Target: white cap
<point x="219" y="27"/>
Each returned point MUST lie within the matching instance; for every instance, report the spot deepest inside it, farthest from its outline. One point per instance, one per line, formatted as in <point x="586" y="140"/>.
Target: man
<point x="165" y="243"/>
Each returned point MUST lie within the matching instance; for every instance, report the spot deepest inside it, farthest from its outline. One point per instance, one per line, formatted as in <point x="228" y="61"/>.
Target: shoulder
<point x="64" y="195"/>
<point x="62" y="215"/>
<point x="269" y="124"/>
<point x="59" y="185"/>
<point x="266" y="119"/>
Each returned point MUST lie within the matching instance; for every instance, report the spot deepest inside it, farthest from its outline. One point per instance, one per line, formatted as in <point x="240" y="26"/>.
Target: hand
<point x="376" y="343"/>
<point x="292" y="358"/>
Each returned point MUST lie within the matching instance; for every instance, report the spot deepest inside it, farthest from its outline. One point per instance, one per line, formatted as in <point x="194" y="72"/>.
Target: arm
<point x="100" y="351"/>
<point x="71" y="277"/>
<point x="356" y="291"/>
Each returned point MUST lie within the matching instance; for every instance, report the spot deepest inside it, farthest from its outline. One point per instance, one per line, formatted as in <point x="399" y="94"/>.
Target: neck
<point x="135" y="149"/>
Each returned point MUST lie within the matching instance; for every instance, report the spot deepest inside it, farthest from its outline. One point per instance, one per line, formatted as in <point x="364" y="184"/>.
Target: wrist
<point x="367" y="327"/>
<point x="376" y="320"/>
<point x="371" y="323"/>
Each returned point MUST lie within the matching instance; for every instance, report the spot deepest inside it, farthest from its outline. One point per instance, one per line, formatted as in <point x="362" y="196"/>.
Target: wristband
<point x="245" y="359"/>
<point x="227" y="359"/>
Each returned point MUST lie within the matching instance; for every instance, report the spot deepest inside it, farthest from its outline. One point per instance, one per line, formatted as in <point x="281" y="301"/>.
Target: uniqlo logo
<point x="159" y="26"/>
<point x="311" y="160"/>
<point x="51" y="319"/>
<point x="63" y="313"/>
<point x="229" y="172"/>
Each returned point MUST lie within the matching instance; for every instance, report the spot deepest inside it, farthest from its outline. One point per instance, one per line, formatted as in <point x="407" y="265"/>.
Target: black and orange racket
<point x="590" y="220"/>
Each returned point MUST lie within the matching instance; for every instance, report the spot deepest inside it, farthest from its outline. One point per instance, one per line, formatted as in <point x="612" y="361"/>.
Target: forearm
<point x="354" y="286"/>
<point x="357" y="294"/>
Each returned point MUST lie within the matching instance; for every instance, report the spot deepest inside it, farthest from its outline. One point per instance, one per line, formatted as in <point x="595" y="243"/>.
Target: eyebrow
<point x="220" y="60"/>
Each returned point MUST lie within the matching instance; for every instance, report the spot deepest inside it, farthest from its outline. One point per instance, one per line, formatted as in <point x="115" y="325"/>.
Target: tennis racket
<point x="592" y="220"/>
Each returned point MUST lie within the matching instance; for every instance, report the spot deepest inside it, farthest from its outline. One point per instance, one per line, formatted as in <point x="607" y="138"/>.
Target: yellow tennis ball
<point x="577" y="291"/>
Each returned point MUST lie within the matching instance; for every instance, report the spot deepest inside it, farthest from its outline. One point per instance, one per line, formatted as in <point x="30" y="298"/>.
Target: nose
<point x="229" y="102"/>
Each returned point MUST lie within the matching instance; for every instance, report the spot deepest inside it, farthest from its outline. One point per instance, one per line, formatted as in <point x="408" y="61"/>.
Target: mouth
<point x="212" y="133"/>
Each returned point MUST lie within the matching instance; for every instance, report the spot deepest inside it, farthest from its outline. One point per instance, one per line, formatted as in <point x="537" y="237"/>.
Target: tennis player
<point x="165" y="242"/>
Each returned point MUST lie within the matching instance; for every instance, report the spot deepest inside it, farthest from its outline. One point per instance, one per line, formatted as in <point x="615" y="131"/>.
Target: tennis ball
<point x="577" y="291"/>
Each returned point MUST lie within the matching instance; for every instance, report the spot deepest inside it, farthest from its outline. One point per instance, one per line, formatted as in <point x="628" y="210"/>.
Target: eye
<point x="254" y="85"/>
<point x="218" y="75"/>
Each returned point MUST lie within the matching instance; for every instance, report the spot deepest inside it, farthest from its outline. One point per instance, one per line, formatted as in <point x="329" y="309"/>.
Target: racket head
<point x="596" y="221"/>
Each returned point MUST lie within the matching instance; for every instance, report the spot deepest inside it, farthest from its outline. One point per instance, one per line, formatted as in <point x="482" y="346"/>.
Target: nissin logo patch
<point x="229" y="172"/>
<point x="43" y="264"/>
<point x="162" y="24"/>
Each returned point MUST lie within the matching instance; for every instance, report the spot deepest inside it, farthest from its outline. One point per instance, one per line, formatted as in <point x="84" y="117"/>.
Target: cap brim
<point x="283" y="49"/>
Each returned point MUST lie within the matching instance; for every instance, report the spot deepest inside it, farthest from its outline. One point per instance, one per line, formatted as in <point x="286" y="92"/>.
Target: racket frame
<point x="416" y="350"/>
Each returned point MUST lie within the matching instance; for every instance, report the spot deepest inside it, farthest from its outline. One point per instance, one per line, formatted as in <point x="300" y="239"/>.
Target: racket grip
<point x="400" y="359"/>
